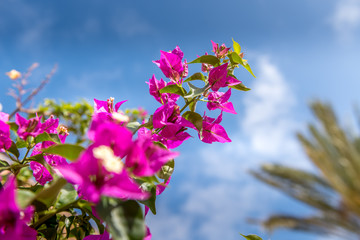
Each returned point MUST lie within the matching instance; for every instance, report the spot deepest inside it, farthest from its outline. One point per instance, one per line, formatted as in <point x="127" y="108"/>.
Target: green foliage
<point x="196" y="76"/>
<point x="75" y="116"/>
<point x="209" y="59"/>
<point x="196" y="91"/>
<point x="236" y="47"/>
<point x="68" y="151"/>
<point x="194" y="118"/>
<point x="125" y="220"/>
<point x="251" y="237"/>
<point x="173" y="88"/>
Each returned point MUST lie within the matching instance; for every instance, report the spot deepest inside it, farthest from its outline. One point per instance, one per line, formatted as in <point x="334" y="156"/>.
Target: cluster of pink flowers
<point x="167" y="120"/>
<point x="118" y="159"/>
<point x="106" y="166"/>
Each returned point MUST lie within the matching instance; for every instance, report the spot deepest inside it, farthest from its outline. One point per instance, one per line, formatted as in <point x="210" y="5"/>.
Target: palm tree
<point x="334" y="192"/>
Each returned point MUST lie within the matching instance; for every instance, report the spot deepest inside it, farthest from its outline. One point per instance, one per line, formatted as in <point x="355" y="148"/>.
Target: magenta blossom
<point x="115" y="136"/>
<point x="171" y="65"/>
<point x="50" y="125"/>
<point x="221" y="51"/>
<point x="212" y="131"/>
<point x="172" y="136"/>
<point x="31" y="127"/>
<point x="219" y="100"/>
<point x="5" y="141"/>
<point x="218" y="78"/>
<point x="40" y="172"/>
<point x="146" y="158"/>
<point x="99" y="172"/>
<point x="106" y="106"/>
<point x="154" y="88"/>
<point x="104" y="111"/>
<point x="169" y="114"/>
<point x="13" y="220"/>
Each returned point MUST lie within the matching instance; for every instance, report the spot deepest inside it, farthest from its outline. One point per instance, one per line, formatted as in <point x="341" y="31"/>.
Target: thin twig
<point x="34" y="92"/>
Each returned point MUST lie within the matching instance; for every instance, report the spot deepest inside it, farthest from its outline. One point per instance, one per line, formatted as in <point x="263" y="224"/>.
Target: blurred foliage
<point x="74" y="116"/>
<point x="334" y="192"/>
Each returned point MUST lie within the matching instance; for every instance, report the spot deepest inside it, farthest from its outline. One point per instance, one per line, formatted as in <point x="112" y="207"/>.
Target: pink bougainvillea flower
<point x="154" y="88"/>
<point x="115" y="136"/>
<point x="169" y="114"/>
<point x="41" y="174"/>
<point x="5" y="141"/>
<point x="218" y="78"/>
<point x="99" y="172"/>
<point x="31" y="127"/>
<point x="219" y="100"/>
<point x="106" y="106"/>
<point x="221" y="51"/>
<point x="172" y="136"/>
<point x="13" y="220"/>
<point x="50" y="125"/>
<point x="212" y="131"/>
<point x="104" y="111"/>
<point x="146" y="158"/>
<point x="171" y="65"/>
<point x="148" y="234"/>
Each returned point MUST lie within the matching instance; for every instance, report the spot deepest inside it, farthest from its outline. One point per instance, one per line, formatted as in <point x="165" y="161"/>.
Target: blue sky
<point x="299" y="50"/>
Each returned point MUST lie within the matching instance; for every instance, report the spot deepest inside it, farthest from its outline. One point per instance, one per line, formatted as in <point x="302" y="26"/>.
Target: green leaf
<point x="47" y="137"/>
<point x="247" y="67"/>
<point x="173" y="88"/>
<point x="196" y="76"/>
<point x="192" y="105"/>
<point x="236" y="47"/>
<point x="124" y="220"/>
<point x="195" y="91"/>
<point x="150" y="202"/>
<point x="133" y="126"/>
<point x="67" y="195"/>
<point x="85" y="206"/>
<point x="68" y="151"/>
<point x="240" y="87"/>
<point x="209" y="59"/>
<point x="37" y="158"/>
<point x="24" y="197"/>
<point x="13" y="126"/>
<point x="235" y="58"/>
<point x="48" y="195"/>
<point x="13" y="149"/>
<point x="251" y="237"/>
<point x="167" y="170"/>
<point x="4" y="163"/>
<point x="21" y="143"/>
<point x="194" y="118"/>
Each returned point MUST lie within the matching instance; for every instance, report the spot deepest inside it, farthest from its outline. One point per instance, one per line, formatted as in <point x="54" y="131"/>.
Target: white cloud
<point x="267" y="129"/>
<point x="346" y="18"/>
<point x="269" y="124"/>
